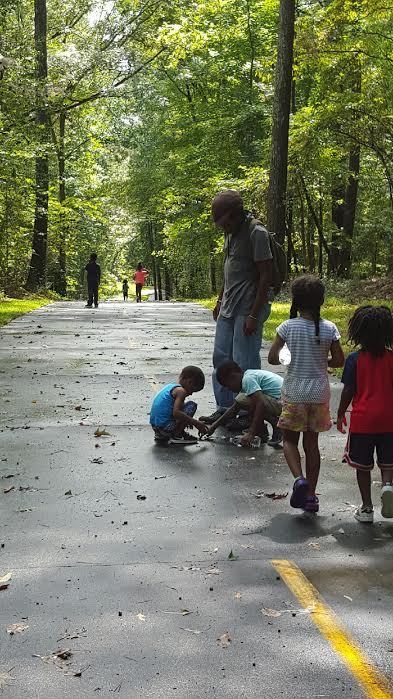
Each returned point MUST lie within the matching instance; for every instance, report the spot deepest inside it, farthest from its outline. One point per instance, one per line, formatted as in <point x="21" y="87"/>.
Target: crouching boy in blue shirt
<point x="170" y="414"/>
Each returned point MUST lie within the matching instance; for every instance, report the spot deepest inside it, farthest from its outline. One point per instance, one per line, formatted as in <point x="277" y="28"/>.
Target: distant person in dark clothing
<point x="93" y="271"/>
<point x="125" y="289"/>
<point x="139" y="279"/>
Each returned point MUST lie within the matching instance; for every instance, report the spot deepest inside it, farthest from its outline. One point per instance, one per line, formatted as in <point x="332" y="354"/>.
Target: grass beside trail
<point x="337" y="310"/>
<point x="12" y="308"/>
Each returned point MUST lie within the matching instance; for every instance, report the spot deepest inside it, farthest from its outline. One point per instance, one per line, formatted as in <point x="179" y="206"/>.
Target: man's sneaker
<point x="276" y="438"/>
<point x="209" y="419"/>
<point x="387" y="501"/>
<point x="184" y="438"/>
<point x="299" y="492"/>
<point x="238" y="424"/>
<point x="312" y="504"/>
<point x="364" y="514"/>
<point x="88" y="305"/>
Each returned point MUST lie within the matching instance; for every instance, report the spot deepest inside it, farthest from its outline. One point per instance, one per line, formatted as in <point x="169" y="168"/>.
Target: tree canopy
<point x="120" y="120"/>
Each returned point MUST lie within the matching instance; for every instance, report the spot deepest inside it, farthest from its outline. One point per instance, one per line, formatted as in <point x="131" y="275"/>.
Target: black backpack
<point x="280" y="270"/>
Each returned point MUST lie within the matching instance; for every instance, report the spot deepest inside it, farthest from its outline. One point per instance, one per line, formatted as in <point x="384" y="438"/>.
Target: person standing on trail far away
<point x="125" y="290"/>
<point x="244" y="301"/>
<point x="139" y="278"/>
<point x="93" y="271"/>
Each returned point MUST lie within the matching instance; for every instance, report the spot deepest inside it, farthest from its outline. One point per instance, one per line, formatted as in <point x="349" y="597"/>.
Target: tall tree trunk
<point x="310" y="244"/>
<point x="280" y="127"/>
<point x="61" y="278"/>
<point x="159" y="282"/>
<point x="37" y="271"/>
<point x="306" y="262"/>
<point x="168" y="284"/>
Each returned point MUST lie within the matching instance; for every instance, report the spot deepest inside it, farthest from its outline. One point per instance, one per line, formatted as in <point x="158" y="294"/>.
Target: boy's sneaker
<point x="276" y="438"/>
<point x="299" y="492"/>
<point x="88" y="305"/>
<point x="183" y="438"/>
<point x="209" y="419"/>
<point x="364" y="514"/>
<point x="312" y="504"/>
<point x="387" y="501"/>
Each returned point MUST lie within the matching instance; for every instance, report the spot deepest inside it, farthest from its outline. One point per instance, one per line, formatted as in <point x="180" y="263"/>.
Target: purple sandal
<point x="299" y="493"/>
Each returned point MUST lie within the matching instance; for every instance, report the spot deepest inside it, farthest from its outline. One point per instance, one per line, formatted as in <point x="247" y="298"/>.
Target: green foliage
<point x="166" y="103"/>
<point x="12" y="308"/>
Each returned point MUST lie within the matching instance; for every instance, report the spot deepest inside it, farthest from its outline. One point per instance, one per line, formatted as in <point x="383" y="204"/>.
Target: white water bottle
<point x="284" y="356"/>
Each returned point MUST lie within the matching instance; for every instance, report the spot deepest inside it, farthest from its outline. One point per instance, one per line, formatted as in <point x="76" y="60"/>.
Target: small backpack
<point x="280" y="270"/>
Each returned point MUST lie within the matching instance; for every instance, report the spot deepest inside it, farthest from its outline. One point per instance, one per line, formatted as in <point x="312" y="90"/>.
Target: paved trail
<point x="141" y="589"/>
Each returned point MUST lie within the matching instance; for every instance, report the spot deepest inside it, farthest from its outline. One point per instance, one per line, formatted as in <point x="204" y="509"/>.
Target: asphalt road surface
<point x="118" y="548"/>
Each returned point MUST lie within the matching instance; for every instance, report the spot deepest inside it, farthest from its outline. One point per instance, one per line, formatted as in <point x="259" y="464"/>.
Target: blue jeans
<point x="232" y="344"/>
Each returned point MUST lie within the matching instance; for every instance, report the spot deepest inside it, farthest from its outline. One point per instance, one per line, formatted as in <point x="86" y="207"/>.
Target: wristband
<point x="253" y="317"/>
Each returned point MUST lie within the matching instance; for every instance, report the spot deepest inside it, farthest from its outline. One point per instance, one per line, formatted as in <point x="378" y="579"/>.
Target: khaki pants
<point x="271" y="406"/>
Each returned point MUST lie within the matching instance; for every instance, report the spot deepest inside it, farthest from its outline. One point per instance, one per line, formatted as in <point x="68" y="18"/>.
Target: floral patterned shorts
<point x="305" y="417"/>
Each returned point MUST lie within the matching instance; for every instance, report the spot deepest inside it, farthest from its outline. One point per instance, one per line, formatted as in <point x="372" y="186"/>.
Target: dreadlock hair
<point x="308" y="294"/>
<point x="371" y="327"/>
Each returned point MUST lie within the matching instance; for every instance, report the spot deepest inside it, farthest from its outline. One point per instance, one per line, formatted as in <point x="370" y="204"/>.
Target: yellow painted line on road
<point x="373" y="682"/>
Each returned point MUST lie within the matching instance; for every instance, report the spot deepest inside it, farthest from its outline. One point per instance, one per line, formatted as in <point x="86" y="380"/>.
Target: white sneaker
<point x="364" y="514"/>
<point x="387" y="501"/>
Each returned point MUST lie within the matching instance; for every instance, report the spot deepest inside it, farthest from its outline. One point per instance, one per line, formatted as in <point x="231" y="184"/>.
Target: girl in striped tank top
<point x="314" y="344"/>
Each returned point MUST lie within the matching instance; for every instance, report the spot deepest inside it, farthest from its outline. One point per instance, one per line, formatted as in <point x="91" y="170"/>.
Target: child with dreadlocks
<point x="368" y="384"/>
<point x="314" y="344"/>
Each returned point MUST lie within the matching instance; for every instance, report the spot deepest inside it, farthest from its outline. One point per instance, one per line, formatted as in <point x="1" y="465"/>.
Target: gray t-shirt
<point x="307" y="380"/>
<point x="241" y="251"/>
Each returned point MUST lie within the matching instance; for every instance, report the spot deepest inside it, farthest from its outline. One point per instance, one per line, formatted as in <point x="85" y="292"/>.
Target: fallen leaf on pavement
<point x="16" y="628"/>
<point x="68" y="492"/>
<point x="141" y="497"/>
<point x="276" y="496"/>
<point x="5" y="581"/>
<point x="195" y="631"/>
<point x="314" y="545"/>
<point x="232" y="557"/>
<point x="101" y="433"/>
<point x="212" y="571"/>
<point x="5" y="678"/>
<point x="224" y="640"/>
<point x="8" y="490"/>
<point x="98" y="460"/>
<point x="348" y="597"/>
<point x="270" y="612"/>
<point x="63" y="654"/>
<point x="238" y="595"/>
<point x="185" y="612"/>
<point x="141" y="616"/>
<point x="78" y="407"/>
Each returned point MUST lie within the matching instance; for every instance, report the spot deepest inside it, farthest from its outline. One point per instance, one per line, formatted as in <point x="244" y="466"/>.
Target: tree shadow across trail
<point x="285" y="528"/>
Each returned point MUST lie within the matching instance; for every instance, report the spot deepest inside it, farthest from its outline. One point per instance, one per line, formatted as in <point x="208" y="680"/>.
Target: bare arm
<point x="216" y="309"/>
<point x="231" y="412"/>
<point x="265" y="271"/>
<point x="346" y="399"/>
<point x="274" y="352"/>
<point x="179" y="414"/>
<point x="337" y="358"/>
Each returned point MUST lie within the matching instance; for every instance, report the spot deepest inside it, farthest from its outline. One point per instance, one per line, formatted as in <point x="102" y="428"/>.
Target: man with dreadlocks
<point x="306" y="389"/>
<point x="368" y="384"/>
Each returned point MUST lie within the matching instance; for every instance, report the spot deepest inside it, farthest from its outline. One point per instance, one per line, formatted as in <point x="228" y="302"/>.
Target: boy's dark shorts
<point x="360" y="448"/>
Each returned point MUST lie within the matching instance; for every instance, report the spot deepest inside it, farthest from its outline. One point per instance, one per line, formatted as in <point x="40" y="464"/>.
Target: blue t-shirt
<point x="161" y="412"/>
<point x="258" y="380"/>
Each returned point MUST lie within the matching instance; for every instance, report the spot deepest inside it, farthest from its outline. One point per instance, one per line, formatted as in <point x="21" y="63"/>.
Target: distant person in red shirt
<point x="368" y="384"/>
<point x="139" y="278"/>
